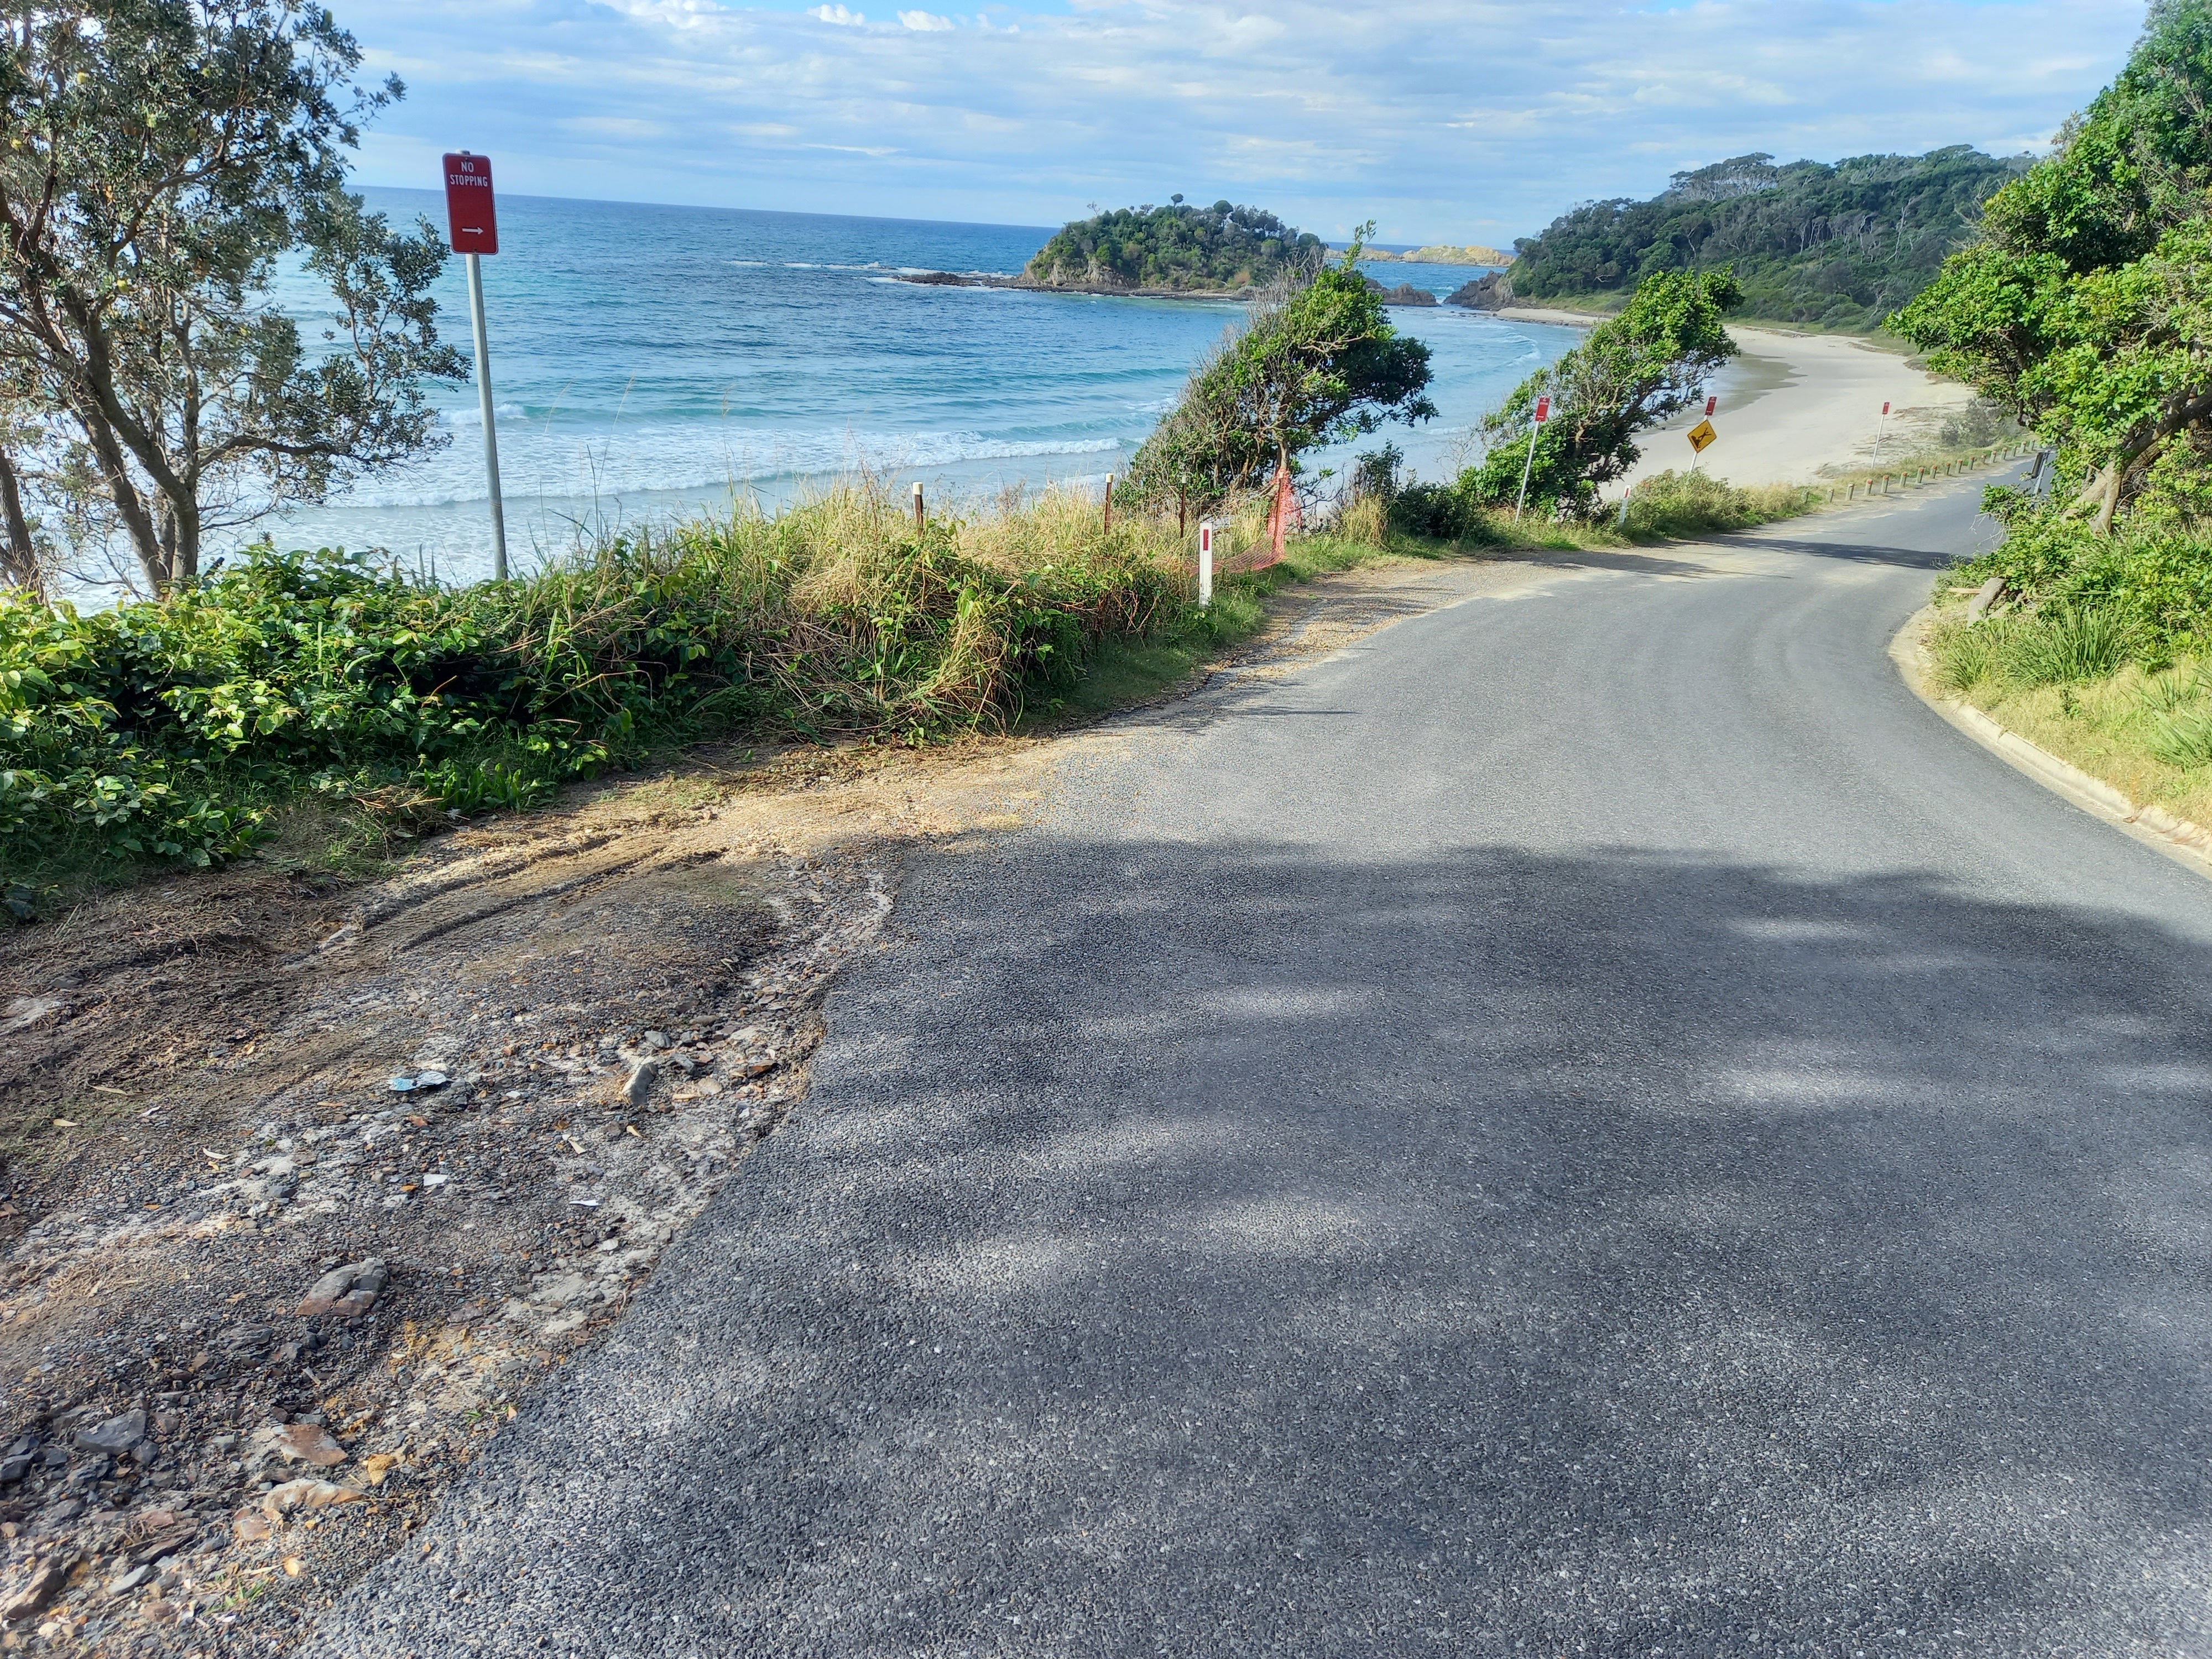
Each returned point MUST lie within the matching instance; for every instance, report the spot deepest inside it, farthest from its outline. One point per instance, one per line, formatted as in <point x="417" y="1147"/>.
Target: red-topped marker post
<point x="472" y="228"/>
<point x="1543" y="414"/>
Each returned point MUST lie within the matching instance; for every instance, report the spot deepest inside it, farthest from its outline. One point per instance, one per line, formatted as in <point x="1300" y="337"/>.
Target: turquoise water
<point x="648" y="360"/>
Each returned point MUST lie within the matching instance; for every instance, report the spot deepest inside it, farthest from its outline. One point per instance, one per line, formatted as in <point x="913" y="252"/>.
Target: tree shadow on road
<point x="1232" y="1249"/>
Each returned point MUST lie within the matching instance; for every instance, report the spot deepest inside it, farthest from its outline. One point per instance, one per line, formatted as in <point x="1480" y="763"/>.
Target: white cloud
<point x="1446" y="119"/>
<point x="615" y="126"/>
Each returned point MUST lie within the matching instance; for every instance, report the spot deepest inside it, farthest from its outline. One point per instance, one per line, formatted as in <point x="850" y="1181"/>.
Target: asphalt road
<point x="1590" y="1123"/>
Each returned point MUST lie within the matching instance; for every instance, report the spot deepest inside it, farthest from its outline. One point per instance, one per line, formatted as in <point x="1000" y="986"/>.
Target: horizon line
<point x="868" y="218"/>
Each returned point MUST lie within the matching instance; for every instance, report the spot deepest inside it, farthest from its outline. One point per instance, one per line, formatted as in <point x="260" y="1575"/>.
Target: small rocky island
<point x="1404" y="295"/>
<point x="1183" y="252"/>
<point x="1180" y="251"/>
<point x="1442" y="253"/>
<point x="1224" y="250"/>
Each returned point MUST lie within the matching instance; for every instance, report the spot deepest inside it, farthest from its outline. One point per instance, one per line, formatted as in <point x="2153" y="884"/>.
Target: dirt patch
<point x="260" y="1304"/>
<point x="199" y="1119"/>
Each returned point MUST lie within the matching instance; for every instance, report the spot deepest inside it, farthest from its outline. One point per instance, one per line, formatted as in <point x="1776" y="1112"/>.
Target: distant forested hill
<point x="1836" y="247"/>
<point x="1180" y="246"/>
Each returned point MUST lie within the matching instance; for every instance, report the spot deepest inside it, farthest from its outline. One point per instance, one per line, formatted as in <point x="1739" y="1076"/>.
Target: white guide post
<point x="1205" y="562"/>
<point x="490" y="427"/>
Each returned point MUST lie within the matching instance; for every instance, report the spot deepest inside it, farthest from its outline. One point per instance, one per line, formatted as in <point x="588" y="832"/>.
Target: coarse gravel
<point x="1589" y="1122"/>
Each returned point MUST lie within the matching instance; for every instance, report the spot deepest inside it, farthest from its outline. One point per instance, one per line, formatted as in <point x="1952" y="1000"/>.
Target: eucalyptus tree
<point x="161" y="162"/>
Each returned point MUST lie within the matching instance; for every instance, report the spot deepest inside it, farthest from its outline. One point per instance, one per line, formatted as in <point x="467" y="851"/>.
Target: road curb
<point x="2186" y="843"/>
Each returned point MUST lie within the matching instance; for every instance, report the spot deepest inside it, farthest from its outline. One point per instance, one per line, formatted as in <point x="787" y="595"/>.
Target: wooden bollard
<point x="1109" y="526"/>
<point x="918" y="519"/>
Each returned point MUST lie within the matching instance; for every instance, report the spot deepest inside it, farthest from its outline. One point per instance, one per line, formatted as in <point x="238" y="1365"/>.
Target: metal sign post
<point x="1543" y="414"/>
<point x="1205" y="562"/>
<point x="472" y="228"/>
<point x="1703" y="434"/>
<point x="1879" y="433"/>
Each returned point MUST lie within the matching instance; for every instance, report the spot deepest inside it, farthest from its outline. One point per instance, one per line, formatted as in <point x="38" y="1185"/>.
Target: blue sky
<point x="1458" y="120"/>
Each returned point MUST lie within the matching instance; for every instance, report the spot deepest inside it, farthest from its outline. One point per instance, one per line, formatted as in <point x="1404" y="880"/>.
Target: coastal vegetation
<point x="160" y="160"/>
<point x="2085" y="312"/>
<point x="1180" y="248"/>
<point x="1814" y="245"/>
<point x="1317" y="361"/>
<point x="1630" y="372"/>
<point x="1667" y="505"/>
<point x="168" y="730"/>
<point x="333" y="704"/>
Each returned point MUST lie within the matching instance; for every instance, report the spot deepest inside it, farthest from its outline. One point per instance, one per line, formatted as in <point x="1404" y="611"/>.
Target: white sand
<point x="1798" y="407"/>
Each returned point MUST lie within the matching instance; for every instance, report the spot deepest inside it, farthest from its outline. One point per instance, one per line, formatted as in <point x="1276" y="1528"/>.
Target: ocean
<point x="650" y="361"/>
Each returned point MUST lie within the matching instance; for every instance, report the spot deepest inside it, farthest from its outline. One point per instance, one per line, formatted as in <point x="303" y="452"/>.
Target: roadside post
<point x="1702" y="438"/>
<point x="1543" y="414"/>
<point x="472" y="230"/>
<point x="1107" y="528"/>
<point x="1882" y="432"/>
<point x="1205" y="563"/>
<point x="918" y="519"/>
<point x="1703" y="434"/>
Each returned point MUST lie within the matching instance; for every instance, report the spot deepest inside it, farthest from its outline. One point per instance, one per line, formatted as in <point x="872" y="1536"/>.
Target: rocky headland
<point x="1031" y="284"/>
<point x="1441" y="253"/>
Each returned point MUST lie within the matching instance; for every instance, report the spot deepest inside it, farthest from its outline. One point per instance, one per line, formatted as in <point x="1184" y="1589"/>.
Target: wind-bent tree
<point x="1632" y="371"/>
<point x="2086" y="308"/>
<point x="157" y="159"/>
<point x="1318" y="361"/>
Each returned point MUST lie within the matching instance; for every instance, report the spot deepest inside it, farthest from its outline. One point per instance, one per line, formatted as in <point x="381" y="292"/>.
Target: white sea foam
<point x="473" y="416"/>
<point x="646" y="456"/>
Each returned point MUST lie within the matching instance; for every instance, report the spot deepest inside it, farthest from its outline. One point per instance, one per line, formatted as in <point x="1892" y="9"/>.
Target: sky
<point x="1444" y="120"/>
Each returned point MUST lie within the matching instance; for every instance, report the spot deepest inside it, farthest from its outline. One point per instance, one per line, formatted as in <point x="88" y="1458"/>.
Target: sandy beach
<point x="1795" y="408"/>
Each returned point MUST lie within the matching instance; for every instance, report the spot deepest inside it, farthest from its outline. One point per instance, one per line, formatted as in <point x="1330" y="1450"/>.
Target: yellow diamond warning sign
<point x="1700" y="435"/>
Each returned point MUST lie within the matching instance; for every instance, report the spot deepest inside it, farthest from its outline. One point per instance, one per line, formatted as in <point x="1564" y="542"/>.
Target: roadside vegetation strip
<point x="2085" y="740"/>
<point x="1664" y="506"/>
<point x="166" y="730"/>
<point x="353" y="701"/>
<point x="2061" y="679"/>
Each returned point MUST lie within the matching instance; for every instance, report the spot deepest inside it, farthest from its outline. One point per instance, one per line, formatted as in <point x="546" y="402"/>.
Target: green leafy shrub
<point x="1445" y="512"/>
<point x="1673" y="503"/>
<point x="163" y="730"/>
<point x="2153" y="580"/>
<point x="1664" y="505"/>
<point x="1629" y="372"/>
